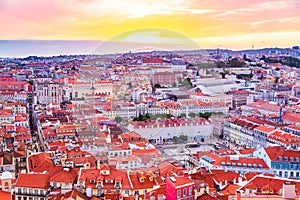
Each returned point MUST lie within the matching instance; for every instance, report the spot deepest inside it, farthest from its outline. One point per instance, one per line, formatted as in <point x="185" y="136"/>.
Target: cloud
<point x="102" y="19"/>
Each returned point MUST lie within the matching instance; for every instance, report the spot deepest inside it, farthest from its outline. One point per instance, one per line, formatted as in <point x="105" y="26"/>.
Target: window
<point x="178" y="193"/>
<point x="108" y="181"/>
<point x="184" y="192"/>
<point x="190" y="190"/>
<point x="286" y="174"/>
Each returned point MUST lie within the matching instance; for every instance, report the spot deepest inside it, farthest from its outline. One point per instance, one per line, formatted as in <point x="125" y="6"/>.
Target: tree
<point x="118" y="119"/>
<point x="129" y="85"/>
<point x="234" y="62"/>
<point x="179" y="80"/>
<point x="224" y="73"/>
<point x="192" y="114"/>
<point x="220" y="64"/>
<point x="187" y="83"/>
<point x="175" y="139"/>
<point x="147" y="115"/>
<point x="30" y="82"/>
<point x="246" y="59"/>
<point x="205" y="115"/>
<point x="244" y="76"/>
<point x="157" y="85"/>
<point x="183" y="115"/>
<point x="183" y="138"/>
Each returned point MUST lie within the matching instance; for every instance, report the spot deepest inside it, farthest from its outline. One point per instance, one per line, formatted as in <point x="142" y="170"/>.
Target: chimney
<point x="238" y="195"/>
<point x="288" y="190"/>
<point x="185" y="174"/>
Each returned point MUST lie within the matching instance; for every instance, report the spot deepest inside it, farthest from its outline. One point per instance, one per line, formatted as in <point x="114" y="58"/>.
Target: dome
<point x="6" y="175"/>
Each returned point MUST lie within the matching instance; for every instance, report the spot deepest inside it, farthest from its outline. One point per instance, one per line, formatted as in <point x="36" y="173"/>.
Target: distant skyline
<point x="232" y="24"/>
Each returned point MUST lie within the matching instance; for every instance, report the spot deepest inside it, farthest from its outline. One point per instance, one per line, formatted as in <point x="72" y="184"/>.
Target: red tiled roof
<point x="264" y="105"/>
<point x="230" y="189"/>
<point x="5" y="195"/>
<point x="37" y="159"/>
<point x="245" y="92"/>
<point x="291" y="117"/>
<point x="284" y="138"/>
<point x="265" y="129"/>
<point x="268" y="183"/>
<point x="180" y="181"/>
<point x="275" y="152"/>
<point x="145" y="151"/>
<point x="64" y="176"/>
<point x="93" y="174"/>
<point x="136" y="184"/>
<point x="26" y="180"/>
<point x="157" y="60"/>
<point x="226" y="176"/>
<point x="247" y="151"/>
<point x="220" y="160"/>
<point x="73" y="194"/>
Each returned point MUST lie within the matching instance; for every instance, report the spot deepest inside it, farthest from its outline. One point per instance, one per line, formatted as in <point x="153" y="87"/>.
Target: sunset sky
<point x="234" y="24"/>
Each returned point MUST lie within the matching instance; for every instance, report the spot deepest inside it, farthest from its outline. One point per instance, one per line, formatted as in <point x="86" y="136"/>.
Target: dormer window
<point x="99" y="184"/>
<point x="291" y="159"/>
<point x="142" y="180"/>
<point x="118" y="185"/>
<point x="279" y="158"/>
<point x="92" y="181"/>
<point x="109" y="181"/>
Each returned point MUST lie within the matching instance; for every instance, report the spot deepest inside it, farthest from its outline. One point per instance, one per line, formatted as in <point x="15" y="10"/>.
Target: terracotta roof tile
<point x="40" y="181"/>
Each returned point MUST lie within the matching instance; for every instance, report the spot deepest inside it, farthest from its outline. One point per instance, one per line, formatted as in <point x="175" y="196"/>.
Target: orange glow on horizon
<point x="232" y="24"/>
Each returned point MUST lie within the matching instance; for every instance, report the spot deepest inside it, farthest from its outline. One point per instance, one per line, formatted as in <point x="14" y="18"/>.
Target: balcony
<point x="33" y="194"/>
